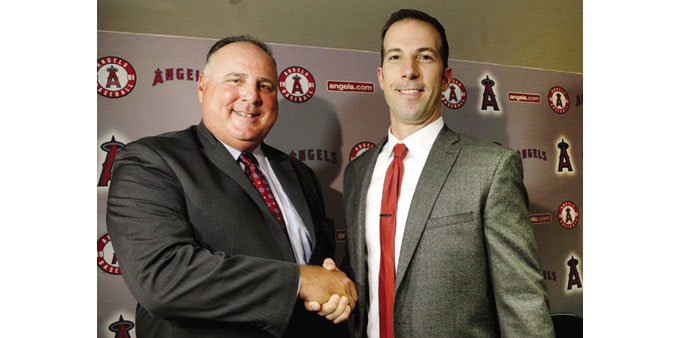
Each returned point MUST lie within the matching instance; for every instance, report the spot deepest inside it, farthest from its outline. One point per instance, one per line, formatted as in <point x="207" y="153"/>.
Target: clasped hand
<point x="327" y="290"/>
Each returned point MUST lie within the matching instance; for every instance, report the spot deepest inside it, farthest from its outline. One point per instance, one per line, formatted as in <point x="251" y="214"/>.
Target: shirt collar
<point x="417" y="143"/>
<point x="236" y="153"/>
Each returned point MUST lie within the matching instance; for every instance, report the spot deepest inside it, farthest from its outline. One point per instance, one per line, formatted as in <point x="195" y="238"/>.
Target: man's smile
<point x="243" y="114"/>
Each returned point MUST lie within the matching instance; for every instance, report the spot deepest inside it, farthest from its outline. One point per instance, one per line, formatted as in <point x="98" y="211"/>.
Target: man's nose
<point x="410" y="71"/>
<point x="250" y="93"/>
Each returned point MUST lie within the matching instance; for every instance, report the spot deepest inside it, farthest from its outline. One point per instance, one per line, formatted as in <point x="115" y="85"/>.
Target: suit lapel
<point x="361" y="192"/>
<point x="441" y="159"/>
<point x="219" y="155"/>
<point x="363" y="177"/>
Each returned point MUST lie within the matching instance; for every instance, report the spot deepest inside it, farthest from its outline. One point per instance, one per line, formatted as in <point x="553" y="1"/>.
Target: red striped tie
<point x="260" y="182"/>
<point x="390" y="197"/>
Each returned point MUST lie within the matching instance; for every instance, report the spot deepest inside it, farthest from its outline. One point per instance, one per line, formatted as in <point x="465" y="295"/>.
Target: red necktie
<point x="390" y="197"/>
<point x="262" y="186"/>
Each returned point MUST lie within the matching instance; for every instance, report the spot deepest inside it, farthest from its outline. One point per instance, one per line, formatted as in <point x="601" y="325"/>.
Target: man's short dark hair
<point x="239" y="38"/>
<point x="417" y="15"/>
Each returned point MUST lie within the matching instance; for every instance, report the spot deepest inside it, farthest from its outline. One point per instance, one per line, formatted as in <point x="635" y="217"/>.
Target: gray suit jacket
<point x="198" y="247"/>
<point x="469" y="265"/>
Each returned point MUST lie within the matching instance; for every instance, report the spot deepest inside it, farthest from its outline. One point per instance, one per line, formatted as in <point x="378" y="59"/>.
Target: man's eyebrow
<point x="427" y="49"/>
<point x="241" y="75"/>
<point x="244" y="76"/>
<point x="419" y="50"/>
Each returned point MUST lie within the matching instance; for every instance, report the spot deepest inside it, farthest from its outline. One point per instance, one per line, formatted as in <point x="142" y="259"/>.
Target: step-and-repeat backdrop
<point x="332" y="110"/>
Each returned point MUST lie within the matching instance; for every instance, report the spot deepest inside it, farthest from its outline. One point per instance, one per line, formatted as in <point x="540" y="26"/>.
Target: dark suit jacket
<point x="469" y="265"/>
<point x="199" y="248"/>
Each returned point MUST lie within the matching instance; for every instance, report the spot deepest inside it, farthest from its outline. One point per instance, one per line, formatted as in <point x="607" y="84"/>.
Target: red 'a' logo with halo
<point x="455" y="96"/>
<point x="106" y="256"/>
<point x="573" y="279"/>
<point x="115" y="77"/>
<point x="564" y="162"/>
<point x="568" y="214"/>
<point x="121" y="328"/>
<point x="359" y="149"/>
<point x="558" y="100"/>
<point x="296" y="84"/>
<point x="111" y="147"/>
<point x="489" y="98"/>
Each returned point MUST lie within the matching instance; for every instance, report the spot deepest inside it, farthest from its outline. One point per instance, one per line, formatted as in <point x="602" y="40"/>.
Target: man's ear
<point x="201" y="85"/>
<point x="446" y="78"/>
<point x="380" y="79"/>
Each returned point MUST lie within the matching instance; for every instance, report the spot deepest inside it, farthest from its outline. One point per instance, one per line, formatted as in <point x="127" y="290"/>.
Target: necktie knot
<point x="400" y="150"/>
<point x="248" y="159"/>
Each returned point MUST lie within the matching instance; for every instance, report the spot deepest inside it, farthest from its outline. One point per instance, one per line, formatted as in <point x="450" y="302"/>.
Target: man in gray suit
<point x="214" y="229"/>
<point x="439" y="238"/>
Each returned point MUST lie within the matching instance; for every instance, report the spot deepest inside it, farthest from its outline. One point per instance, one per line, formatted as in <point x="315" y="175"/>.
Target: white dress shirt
<point x="418" y="144"/>
<point x="297" y="232"/>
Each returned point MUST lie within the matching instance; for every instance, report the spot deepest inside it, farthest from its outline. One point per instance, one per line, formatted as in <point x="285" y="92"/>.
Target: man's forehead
<point x="243" y="51"/>
<point x="244" y="64"/>
<point x="412" y="34"/>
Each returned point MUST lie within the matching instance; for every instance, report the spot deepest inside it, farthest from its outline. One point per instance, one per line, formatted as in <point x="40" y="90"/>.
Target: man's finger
<point x="342" y="305"/>
<point x="344" y="315"/>
<point x="312" y="306"/>
<point x="329" y="264"/>
<point x="330" y="306"/>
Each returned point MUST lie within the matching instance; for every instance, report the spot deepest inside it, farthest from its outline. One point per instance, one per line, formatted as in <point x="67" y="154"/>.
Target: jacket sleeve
<point x="169" y="273"/>
<point x="521" y="298"/>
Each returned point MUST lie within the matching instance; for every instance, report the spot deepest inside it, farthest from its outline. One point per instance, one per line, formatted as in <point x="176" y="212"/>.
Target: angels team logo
<point x="106" y="256"/>
<point x="111" y="147"/>
<point x="359" y="149"/>
<point x="121" y="328"/>
<point x="171" y="74"/>
<point x="524" y="97"/>
<point x="573" y="278"/>
<point x="489" y="98"/>
<point x="549" y="275"/>
<point x="455" y="96"/>
<point x="568" y="214"/>
<point x="115" y="77"/>
<point x="532" y="153"/>
<point x="296" y="84"/>
<point x="558" y="99"/>
<point x="564" y="161"/>
<point x="312" y="154"/>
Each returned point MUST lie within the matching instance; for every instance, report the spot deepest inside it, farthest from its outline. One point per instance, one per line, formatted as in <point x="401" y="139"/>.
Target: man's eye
<point x="426" y="57"/>
<point x="266" y="88"/>
<point x="394" y="57"/>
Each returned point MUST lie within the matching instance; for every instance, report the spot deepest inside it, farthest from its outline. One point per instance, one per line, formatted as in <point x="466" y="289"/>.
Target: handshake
<point x="326" y="289"/>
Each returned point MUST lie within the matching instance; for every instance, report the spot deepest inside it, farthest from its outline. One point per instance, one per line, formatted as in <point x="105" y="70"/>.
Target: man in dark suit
<point x="439" y="238"/>
<point x="217" y="233"/>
